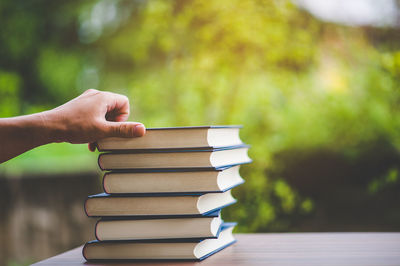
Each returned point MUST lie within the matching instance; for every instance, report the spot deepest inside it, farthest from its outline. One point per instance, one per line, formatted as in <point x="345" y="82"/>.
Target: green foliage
<point x="58" y="70"/>
<point x="297" y="85"/>
<point x="51" y="159"/>
<point x="10" y="84"/>
<point x="379" y="184"/>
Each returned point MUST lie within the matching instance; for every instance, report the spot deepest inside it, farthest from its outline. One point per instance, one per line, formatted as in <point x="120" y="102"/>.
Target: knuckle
<point x="125" y="98"/>
<point x="126" y="130"/>
<point x="106" y="95"/>
<point x="122" y="129"/>
<point x="91" y="91"/>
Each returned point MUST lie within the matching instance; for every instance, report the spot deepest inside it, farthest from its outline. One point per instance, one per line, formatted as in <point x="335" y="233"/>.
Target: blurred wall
<point x="42" y="216"/>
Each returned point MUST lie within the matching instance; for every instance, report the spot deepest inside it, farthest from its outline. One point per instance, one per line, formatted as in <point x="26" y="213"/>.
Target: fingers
<point x="125" y="129"/>
<point x="117" y="107"/>
<point x="115" y="110"/>
<point x="92" y="146"/>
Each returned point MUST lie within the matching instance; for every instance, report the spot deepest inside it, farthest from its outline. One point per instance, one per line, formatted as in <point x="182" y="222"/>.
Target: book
<point x="191" y="159"/>
<point x="184" y="249"/>
<point x="102" y="205"/>
<point x="172" y="182"/>
<point x="170" y="228"/>
<point x="176" y="138"/>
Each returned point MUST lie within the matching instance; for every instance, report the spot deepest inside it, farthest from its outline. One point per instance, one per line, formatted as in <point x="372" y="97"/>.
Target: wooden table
<point x="284" y="249"/>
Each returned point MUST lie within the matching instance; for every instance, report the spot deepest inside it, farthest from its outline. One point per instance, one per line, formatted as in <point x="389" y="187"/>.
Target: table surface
<point x="283" y="249"/>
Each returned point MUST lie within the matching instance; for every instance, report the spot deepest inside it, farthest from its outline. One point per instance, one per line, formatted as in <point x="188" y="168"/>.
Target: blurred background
<point x="315" y="84"/>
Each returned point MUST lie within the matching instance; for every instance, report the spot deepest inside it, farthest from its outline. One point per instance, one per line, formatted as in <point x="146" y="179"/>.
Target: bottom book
<point x="184" y="249"/>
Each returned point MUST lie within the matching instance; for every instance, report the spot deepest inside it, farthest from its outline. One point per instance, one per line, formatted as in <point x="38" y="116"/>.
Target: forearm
<point x="23" y="133"/>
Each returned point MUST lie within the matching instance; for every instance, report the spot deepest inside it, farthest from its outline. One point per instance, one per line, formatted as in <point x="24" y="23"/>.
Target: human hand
<point x="91" y="116"/>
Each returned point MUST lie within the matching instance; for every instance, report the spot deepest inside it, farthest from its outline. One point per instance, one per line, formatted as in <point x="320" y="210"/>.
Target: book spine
<point x="95" y="230"/>
<point x="103" y="183"/>
<point x="84" y="253"/>
<point x="85" y="207"/>
<point x="98" y="162"/>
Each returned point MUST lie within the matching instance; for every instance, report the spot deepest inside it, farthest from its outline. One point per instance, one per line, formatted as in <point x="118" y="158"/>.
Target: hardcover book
<point x="170" y="228"/>
<point x="172" y="182"/>
<point x="176" y="138"/>
<point x="188" y="159"/>
<point x="102" y="205"/>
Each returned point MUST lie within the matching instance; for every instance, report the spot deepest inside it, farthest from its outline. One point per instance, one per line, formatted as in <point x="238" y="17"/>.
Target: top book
<point x="201" y="137"/>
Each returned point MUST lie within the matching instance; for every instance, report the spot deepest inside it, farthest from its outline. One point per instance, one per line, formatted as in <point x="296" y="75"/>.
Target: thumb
<point x="125" y="129"/>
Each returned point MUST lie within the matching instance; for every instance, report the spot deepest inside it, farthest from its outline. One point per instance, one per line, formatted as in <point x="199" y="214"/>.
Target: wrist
<point x="51" y="129"/>
<point x="27" y="129"/>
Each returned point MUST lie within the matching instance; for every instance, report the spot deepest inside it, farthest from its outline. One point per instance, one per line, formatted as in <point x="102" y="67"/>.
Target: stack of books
<point x="164" y="193"/>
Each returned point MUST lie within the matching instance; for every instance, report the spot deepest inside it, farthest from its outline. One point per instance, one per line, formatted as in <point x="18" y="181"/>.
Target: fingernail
<point x="140" y="130"/>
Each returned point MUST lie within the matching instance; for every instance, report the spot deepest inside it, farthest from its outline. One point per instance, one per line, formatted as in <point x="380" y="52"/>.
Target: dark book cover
<point x="175" y="150"/>
<point x="213" y="214"/>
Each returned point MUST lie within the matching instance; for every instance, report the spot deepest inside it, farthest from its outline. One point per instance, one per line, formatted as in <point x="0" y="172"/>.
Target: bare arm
<point x="85" y="119"/>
